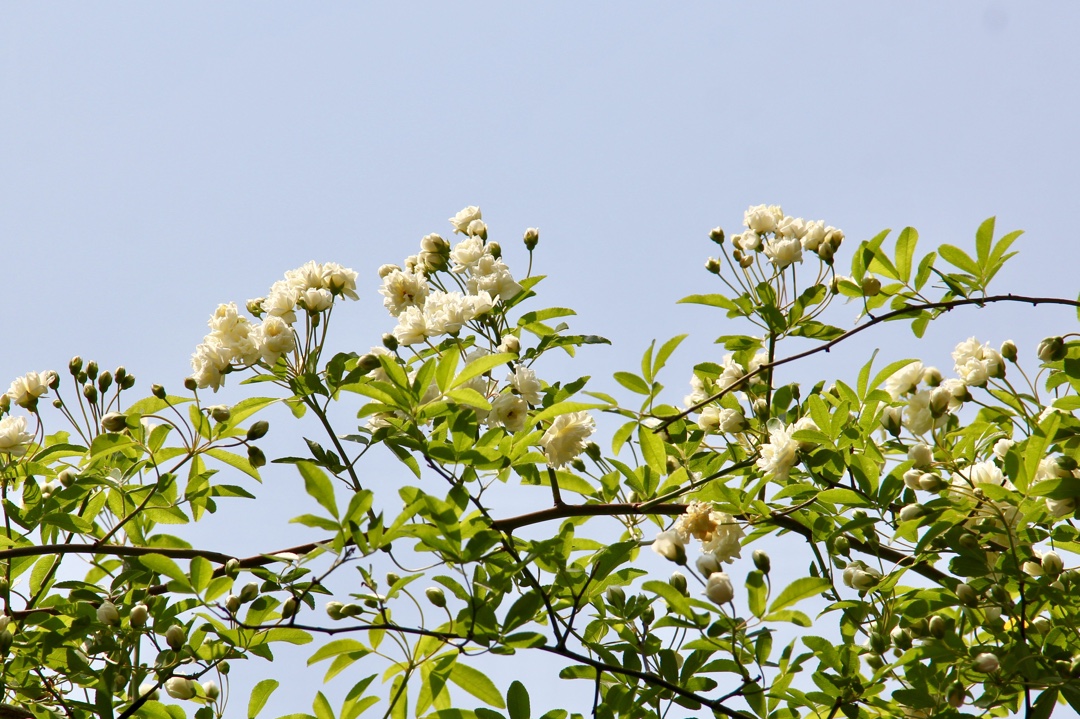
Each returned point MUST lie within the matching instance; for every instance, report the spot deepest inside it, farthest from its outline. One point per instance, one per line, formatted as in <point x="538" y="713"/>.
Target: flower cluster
<point x="975" y="363"/>
<point x="783" y="238"/>
<point x="927" y="408"/>
<point x="778" y="455"/>
<point x="236" y="341"/>
<point x="718" y="532"/>
<point x="477" y="268"/>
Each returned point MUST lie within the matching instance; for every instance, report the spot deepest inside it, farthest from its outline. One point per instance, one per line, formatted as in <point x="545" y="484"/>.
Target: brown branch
<point x="875" y="320"/>
<point x="584" y="510"/>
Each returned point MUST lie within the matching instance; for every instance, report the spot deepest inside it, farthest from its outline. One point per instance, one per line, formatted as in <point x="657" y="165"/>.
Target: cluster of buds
<point x="781" y="238"/>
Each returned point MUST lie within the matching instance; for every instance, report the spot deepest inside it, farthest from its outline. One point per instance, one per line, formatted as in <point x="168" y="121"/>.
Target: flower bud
<point x="392" y="579"/>
<point x="921" y="455"/>
<point x="892" y="420"/>
<point x="1042" y="625"/>
<point x="249" y="592"/>
<point x="746" y="261"/>
<point x="257" y="430"/>
<point x="104" y="381"/>
<point x="477" y="228"/>
<point x="592" y="451"/>
<point x="138" y="616"/>
<point x="390" y="342"/>
<point x="826" y="250"/>
<point x="495" y="249"/>
<point x="615" y="596"/>
<point x="716" y="234"/>
<point x="879" y="643"/>
<point x="232" y="567"/>
<point x="149" y="691"/>
<point x="712" y="265"/>
<point x="67" y="477"/>
<point x="1051" y="349"/>
<point x="678" y="581"/>
<point x="967" y="595"/>
<point x="1032" y="568"/>
<point x="92" y="370"/>
<point x="435" y="595"/>
<point x="255" y="306"/>
<point x="333" y="610"/>
<point x="871" y="286"/>
<point x="761" y="409"/>
<point x="937" y="627"/>
<point x="510" y="344"/>
<point x="219" y="413"/>
<point x="910" y="512"/>
<point x="707" y="564"/>
<point x="939" y="401"/>
<point x="987" y="663"/>
<point x="901" y="639"/>
<point x="289" y="607"/>
<point x="210" y="689"/>
<point x="531" y="238"/>
<point x="842" y="545"/>
<point x="762" y="561"/>
<point x="931" y="482"/>
<point x="232" y="604"/>
<point x="385" y="270"/>
<point x="1008" y="350"/>
<point x="108" y="614"/>
<point x="355" y="610"/>
<point x="718" y="589"/>
<point x="114" y="422"/>
<point x="577" y="464"/>
<point x="175" y="636"/>
<point x="6" y="640"/>
<point x="90" y="392"/>
<point x="75" y="365"/>
<point x="256" y="458"/>
<point x="957" y="694"/>
<point x="180" y="688"/>
<point x="669" y="545"/>
<point x="1052" y="564"/>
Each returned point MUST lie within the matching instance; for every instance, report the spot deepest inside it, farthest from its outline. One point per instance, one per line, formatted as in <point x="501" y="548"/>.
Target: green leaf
<point x="260" y="694"/>
<point x="563" y="408"/>
<point x="673" y="596"/>
<point x="958" y="258"/>
<point x="984" y="238"/>
<point x="468" y="397"/>
<point x="201" y="573"/>
<point x="905" y="251"/>
<point x="652" y="448"/>
<point x="477" y="684"/>
<point x="163" y="565"/>
<point x="798" y="590"/>
<point x="789" y="615"/>
<point x="720" y="301"/>
<point x="235" y="461"/>
<point x="447" y="367"/>
<point x="321" y="707"/>
<point x="755" y="592"/>
<point x="517" y="701"/>
<point x="633" y="383"/>
<point x="318" y="485"/>
<point x="481" y="365"/>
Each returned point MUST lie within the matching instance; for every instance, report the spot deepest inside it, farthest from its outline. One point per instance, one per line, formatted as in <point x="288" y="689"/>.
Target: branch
<point x="584" y="510"/>
<point x="765" y="366"/>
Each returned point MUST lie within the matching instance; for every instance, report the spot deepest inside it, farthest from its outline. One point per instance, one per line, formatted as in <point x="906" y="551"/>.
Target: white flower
<point x="783" y="251"/>
<point x="904" y="380"/>
<point x="25" y="390"/>
<point x="281" y="301"/>
<point x="461" y="220"/>
<point x="698" y="391"/>
<point x="108" y="614"/>
<point x="976" y="363"/>
<point x="707" y="564"/>
<point x="805" y="423"/>
<point x="316" y="299"/>
<point x="180" y="687"/>
<point x="565" y="438"/>
<point x="467" y="253"/>
<point x="339" y="280"/>
<point x="402" y="289"/>
<point x="510" y="411"/>
<point x="718" y="532"/>
<point x="917" y="415"/>
<point x="709" y="419"/>
<point x="306" y="277"/>
<point x="921" y="455"/>
<point x="445" y="313"/>
<point x="525" y="382"/>
<point x="731" y="421"/>
<point x="761" y="218"/>
<point x="718" y="589"/>
<point x="492" y="275"/>
<point x="732" y="373"/>
<point x="670" y="546"/>
<point x="964" y="481"/>
<point x="209" y="363"/>
<point x="779" y="453"/>
<point x="1061" y="507"/>
<point x="273" y="338"/>
<point x="411" y="327"/>
<point x="477" y="228"/>
<point x="1002" y="447"/>
<point x="747" y="241"/>
<point x="814" y="233"/>
<point x="791" y="227"/>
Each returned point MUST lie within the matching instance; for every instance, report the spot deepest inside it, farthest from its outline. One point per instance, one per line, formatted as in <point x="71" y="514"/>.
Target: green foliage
<point x="934" y="515"/>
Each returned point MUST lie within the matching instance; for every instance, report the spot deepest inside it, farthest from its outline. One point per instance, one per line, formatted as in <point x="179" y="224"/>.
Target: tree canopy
<point x="936" y="509"/>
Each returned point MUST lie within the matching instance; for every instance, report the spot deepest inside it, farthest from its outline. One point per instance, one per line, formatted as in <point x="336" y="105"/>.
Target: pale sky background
<point x="157" y="159"/>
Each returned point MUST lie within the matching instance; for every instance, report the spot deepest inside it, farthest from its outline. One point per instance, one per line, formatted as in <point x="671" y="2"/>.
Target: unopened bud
<point x="1008" y="350"/>
<point x="761" y="409"/>
<point x="190" y="384"/>
<point x="615" y="596"/>
<point x="210" y="689"/>
<point x="746" y="261"/>
<point x="1052" y="564"/>
<point x="67" y="477"/>
<point x="987" y="663"/>
<point x="477" y="228"/>
<point x="435" y="596"/>
<point x="826" y="251"/>
<point x="75" y="366"/>
<point x="249" y="592"/>
<point x="139" y="614"/>
<point x="1051" y="349"/>
<point x="255" y="306"/>
<point x="717" y="235"/>
<point x="957" y="694"/>
<point x="871" y="286"/>
<point x="107" y="613"/>
<point x="577" y="464"/>
<point x="232" y="567"/>
<point x="901" y="638"/>
<point x="355" y="610"/>
<point x="256" y="458"/>
<point x="219" y="413"/>
<point x="495" y="249"/>
<point x="232" y="604"/>
<point x="90" y="392"/>
<point x="175" y="636"/>
<point x="678" y="581"/>
<point x="289" y="608"/>
<point x="892" y="420"/>
<point x="510" y="344"/>
<point x="842" y="545"/>
<point x="158" y="391"/>
<point x="712" y="265"/>
<point x="937" y="627"/>
<point x="939" y="401"/>
<point x="967" y="595"/>
<point x="390" y="342"/>
<point x="762" y="561"/>
<point x="114" y="422"/>
<point x="333" y="610"/>
<point x="92" y="370"/>
<point x="258" y="430"/>
<point x="932" y="376"/>
<point x="104" y="381"/>
<point x="532" y="237"/>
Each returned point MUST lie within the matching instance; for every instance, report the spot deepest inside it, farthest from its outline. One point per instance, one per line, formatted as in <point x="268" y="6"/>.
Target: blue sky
<point x="157" y="159"/>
